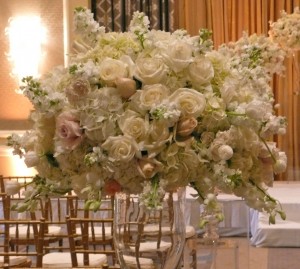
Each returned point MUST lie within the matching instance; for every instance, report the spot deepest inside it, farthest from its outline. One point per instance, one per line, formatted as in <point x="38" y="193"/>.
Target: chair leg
<point x="189" y="257"/>
<point x="60" y="244"/>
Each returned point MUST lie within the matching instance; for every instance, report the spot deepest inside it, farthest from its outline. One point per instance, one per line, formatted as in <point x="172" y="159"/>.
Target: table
<point x="236" y="213"/>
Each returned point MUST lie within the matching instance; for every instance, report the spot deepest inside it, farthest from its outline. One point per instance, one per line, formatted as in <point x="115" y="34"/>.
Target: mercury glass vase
<point x="149" y="238"/>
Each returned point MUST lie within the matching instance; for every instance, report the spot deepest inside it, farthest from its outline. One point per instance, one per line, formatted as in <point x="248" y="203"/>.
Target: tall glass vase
<point x="149" y="238"/>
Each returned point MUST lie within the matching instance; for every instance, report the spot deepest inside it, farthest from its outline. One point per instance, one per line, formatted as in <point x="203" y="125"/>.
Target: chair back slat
<point x="25" y="254"/>
<point x="91" y="232"/>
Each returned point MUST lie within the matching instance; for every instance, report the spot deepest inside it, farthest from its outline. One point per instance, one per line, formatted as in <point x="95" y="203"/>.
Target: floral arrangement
<point x="148" y="111"/>
<point x="286" y="30"/>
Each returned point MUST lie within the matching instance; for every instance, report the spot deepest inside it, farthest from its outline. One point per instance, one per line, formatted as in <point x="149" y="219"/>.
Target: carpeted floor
<point x="283" y="258"/>
<point x="249" y="257"/>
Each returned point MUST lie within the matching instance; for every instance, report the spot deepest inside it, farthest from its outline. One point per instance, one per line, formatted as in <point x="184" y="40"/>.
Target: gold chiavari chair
<point x="23" y="180"/>
<point x="60" y="257"/>
<point x="20" y="256"/>
<point x="43" y="209"/>
<point x="77" y="210"/>
<point x="92" y="250"/>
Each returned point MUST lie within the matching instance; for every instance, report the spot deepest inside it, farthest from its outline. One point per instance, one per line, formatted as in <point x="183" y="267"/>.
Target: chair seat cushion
<point x="23" y="231"/>
<point x="14" y="260"/>
<point x="152" y="246"/>
<point x="189" y="231"/>
<point x="63" y="260"/>
<point x="144" y="262"/>
<point x="98" y="232"/>
<point x="153" y="229"/>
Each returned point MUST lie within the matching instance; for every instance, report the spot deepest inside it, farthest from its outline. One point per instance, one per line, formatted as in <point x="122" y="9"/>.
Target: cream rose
<point x="77" y="90"/>
<point x="120" y="148"/>
<point x="31" y="159"/>
<point x="152" y="95"/>
<point x="178" y="55"/>
<point x="189" y="102"/>
<point x="159" y="131"/>
<point x="186" y="126"/>
<point x="68" y="130"/>
<point x="111" y="69"/>
<point x="150" y="70"/>
<point x="201" y="71"/>
<point x="133" y="125"/>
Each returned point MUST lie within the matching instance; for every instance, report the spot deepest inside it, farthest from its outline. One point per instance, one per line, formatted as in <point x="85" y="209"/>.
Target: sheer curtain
<point x="228" y="19"/>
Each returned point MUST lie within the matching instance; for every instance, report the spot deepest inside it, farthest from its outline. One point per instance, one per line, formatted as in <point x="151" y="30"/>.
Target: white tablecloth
<point x="236" y="214"/>
<point x="285" y="233"/>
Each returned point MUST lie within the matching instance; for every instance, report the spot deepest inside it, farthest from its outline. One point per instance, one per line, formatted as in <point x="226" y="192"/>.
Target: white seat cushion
<point x="152" y="246"/>
<point x="153" y="229"/>
<point x="189" y="231"/>
<point x="144" y="262"/>
<point x="22" y="229"/>
<point x="14" y="260"/>
<point x="98" y="232"/>
<point x="63" y="260"/>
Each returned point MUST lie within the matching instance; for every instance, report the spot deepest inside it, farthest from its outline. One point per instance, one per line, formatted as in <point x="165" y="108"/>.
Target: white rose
<point x="189" y="102"/>
<point x="111" y="69"/>
<point x="153" y="94"/>
<point x="12" y="187"/>
<point x="178" y="55"/>
<point x="150" y="70"/>
<point x="201" y="71"/>
<point x="158" y="136"/>
<point x="159" y="131"/>
<point x="31" y="159"/>
<point x="120" y="148"/>
<point x="133" y="125"/>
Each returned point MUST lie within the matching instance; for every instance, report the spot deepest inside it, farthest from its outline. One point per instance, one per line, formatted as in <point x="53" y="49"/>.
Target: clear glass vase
<point x="149" y="238"/>
<point x="211" y="233"/>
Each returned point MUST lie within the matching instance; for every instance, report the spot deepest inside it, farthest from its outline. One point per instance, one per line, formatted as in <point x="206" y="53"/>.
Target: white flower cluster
<point x="286" y="30"/>
<point x="148" y="111"/>
<point x="86" y="26"/>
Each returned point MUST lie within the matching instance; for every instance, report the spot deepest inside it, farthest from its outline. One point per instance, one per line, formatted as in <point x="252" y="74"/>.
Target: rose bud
<point x="225" y="152"/>
<point x="186" y="126"/>
<point x="148" y="167"/>
<point x="31" y="159"/>
<point x="126" y="87"/>
<point x="12" y="187"/>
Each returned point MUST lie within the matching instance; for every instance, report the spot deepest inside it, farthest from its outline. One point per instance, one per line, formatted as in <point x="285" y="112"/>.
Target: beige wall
<point x="56" y="16"/>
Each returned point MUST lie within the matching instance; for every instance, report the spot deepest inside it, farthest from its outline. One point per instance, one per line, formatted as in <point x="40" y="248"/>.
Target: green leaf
<point x="51" y="159"/>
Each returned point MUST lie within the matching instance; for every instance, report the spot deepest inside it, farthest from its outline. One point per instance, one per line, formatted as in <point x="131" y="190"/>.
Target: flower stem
<point x="265" y="143"/>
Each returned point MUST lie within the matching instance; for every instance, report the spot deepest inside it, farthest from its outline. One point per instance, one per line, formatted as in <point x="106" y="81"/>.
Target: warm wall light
<point x="26" y="36"/>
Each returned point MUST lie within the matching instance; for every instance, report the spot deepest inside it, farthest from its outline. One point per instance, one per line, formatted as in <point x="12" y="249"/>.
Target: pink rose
<point x="68" y="130"/>
<point x="186" y="126"/>
<point x="77" y="90"/>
